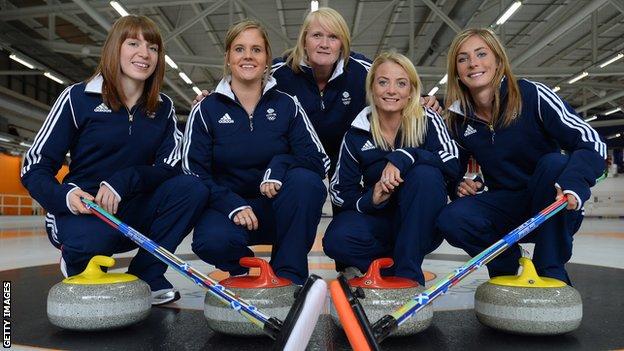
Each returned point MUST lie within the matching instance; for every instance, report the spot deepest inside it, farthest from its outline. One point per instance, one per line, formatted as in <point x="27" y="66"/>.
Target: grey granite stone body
<point x="98" y="306"/>
<point x="380" y="302"/>
<point x="274" y="302"/>
<point x="529" y="311"/>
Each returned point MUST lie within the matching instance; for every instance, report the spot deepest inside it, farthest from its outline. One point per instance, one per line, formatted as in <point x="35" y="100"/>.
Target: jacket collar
<point x="94" y="86"/>
<point x="361" y="120"/>
<point x="224" y="87"/>
<point x="456" y="105"/>
<point x="338" y="70"/>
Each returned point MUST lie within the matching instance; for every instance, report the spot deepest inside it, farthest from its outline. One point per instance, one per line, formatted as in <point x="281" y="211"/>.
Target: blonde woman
<point x="390" y="181"/>
<point x="515" y="129"/>
<point x="255" y="149"/>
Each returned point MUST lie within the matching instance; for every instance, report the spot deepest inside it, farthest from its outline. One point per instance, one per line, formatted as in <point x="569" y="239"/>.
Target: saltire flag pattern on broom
<point x="291" y="334"/>
<point x="364" y="336"/>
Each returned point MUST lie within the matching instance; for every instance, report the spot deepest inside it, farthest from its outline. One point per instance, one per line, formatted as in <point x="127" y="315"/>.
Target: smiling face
<point x="322" y="47"/>
<point x="138" y="59"/>
<point x="247" y="57"/>
<point x="391" y="88"/>
<point x="476" y="64"/>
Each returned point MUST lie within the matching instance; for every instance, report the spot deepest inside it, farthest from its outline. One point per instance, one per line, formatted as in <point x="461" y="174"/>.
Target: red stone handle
<point x="266" y="278"/>
<point x="373" y="279"/>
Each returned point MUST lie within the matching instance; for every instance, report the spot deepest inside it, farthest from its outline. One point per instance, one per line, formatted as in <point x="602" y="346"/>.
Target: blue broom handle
<point x="441" y="287"/>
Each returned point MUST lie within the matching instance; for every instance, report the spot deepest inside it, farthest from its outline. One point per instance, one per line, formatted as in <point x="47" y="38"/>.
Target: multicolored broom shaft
<point x="269" y="325"/>
<point x="386" y="325"/>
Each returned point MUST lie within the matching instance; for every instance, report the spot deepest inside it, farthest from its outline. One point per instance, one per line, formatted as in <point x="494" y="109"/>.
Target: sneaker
<point x="164" y="296"/>
<point x="352" y="272"/>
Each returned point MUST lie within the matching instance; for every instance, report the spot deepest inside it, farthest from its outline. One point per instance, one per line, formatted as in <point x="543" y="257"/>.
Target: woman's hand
<point x="572" y="203"/>
<point x="432" y="103"/>
<point x="76" y="204"/>
<point x="468" y="187"/>
<point x="246" y="218"/>
<point x="380" y="195"/>
<point x="390" y="178"/>
<point x="200" y="97"/>
<point x="107" y="199"/>
<point x="270" y="189"/>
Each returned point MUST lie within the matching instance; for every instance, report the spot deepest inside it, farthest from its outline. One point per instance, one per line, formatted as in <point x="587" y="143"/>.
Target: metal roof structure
<point x="550" y="41"/>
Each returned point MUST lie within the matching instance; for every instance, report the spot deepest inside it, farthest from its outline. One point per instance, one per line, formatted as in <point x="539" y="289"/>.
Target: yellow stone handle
<point x="94" y="270"/>
<point x="528" y="278"/>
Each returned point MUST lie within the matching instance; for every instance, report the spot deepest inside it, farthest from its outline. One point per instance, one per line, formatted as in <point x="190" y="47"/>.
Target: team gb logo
<point x="346" y="98"/>
<point x="271" y="115"/>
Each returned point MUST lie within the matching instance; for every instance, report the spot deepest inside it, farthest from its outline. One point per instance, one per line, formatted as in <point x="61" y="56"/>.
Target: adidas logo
<point x="226" y="119"/>
<point x="102" y="108"/>
<point x="469" y="131"/>
<point x="368" y="146"/>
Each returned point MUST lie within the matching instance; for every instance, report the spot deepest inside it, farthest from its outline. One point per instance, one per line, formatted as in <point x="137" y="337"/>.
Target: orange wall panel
<point x="10" y="183"/>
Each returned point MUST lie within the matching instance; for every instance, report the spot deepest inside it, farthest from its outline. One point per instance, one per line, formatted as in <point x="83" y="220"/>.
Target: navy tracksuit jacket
<point x="332" y="110"/>
<point x="233" y="153"/>
<point x="402" y="227"/>
<point x="130" y="152"/>
<point x="521" y="164"/>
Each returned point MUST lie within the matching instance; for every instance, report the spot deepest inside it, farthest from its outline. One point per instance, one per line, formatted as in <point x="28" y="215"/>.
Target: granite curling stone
<point x="380" y="296"/>
<point x="272" y="295"/>
<point x="528" y="304"/>
<point x="94" y="300"/>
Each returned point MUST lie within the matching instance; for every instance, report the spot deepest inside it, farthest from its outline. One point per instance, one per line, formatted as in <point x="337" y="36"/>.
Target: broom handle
<point x="224" y="295"/>
<point x="387" y="324"/>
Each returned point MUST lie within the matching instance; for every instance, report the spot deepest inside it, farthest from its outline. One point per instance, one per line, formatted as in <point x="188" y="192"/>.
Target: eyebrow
<point x="400" y="78"/>
<point x="475" y="50"/>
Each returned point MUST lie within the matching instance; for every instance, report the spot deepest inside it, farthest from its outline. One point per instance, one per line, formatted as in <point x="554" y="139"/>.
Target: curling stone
<point x="272" y="295"/>
<point x="380" y="296"/>
<point x="94" y="300"/>
<point x="528" y="304"/>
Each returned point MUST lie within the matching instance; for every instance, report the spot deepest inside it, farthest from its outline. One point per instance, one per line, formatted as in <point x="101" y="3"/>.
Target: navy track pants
<point x="166" y="216"/>
<point x="288" y="221"/>
<point x="473" y="223"/>
<point x="403" y="230"/>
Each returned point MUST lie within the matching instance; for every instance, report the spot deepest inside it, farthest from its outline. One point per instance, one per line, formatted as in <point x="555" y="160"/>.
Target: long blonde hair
<point x="456" y="90"/>
<point x="333" y="22"/>
<point x="234" y="31"/>
<point x="413" y="119"/>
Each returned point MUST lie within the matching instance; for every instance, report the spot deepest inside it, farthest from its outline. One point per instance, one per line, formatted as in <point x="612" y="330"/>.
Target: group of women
<point x="250" y="165"/>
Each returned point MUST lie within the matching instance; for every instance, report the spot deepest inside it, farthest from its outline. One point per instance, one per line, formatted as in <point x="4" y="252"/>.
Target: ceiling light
<point x="170" y="62"/>
<point x="613" y="59"/>
<point x="444" y="79"/>
<point x="579" y="77"/>
<point x="556" y="89"/>
<point x="26" y="144"/>
<point x="591" y="118"/>
<point x="185" y="78"/>
<point x="53" y="77"/>
<point x="120" y="9"/>
<point x="22" y="61"/>
<point x="313" y="5"/>
<point x="610" y="112"/>
<point x="510" y="11"/>
<point x="614" y="136"/>
<point x="6" y="140"/>
<point x="197" y="90"/>
<point x="433" y="91"/>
